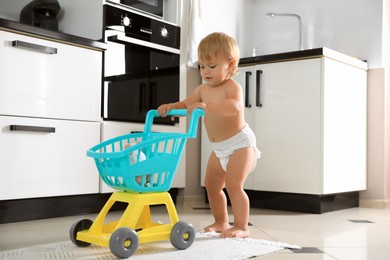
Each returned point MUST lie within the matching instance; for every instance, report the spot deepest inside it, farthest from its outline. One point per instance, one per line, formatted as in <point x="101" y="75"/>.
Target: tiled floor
<point x="352" y="234"/>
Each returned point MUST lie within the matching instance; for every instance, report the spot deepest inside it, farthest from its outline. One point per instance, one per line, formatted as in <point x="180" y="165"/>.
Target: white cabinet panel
<point x="288" y="127"/>
<point x="344" y="127"/>
<point x="43" y="164"/>
<point x="65" y="84"/>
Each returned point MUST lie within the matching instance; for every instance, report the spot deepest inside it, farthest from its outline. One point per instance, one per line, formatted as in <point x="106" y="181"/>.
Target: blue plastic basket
<point x="146" y="161"/>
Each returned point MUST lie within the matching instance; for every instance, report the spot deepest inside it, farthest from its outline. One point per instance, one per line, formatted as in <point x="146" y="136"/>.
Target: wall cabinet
<point x="49" y="117"/>
<point x="309" y="117"/>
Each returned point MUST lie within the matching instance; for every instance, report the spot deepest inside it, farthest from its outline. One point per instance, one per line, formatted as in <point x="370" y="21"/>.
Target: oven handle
<point x="125" y="40"/>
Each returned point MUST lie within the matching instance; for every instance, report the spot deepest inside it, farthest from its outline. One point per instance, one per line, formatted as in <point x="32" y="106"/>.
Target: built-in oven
<point x="141" y="65"/>
<point x="152" y="7"/>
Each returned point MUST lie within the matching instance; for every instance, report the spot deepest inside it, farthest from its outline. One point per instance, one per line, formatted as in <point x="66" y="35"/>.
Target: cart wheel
<point x="80" y="225"/>
<point x="124" y="242"/>
<point x="182" y="235"/>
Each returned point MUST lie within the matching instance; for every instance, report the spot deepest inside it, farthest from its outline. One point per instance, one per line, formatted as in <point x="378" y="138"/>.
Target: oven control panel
<point x="142" y="27"/>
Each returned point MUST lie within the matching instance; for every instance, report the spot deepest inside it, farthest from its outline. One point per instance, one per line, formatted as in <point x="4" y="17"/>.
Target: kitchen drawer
<point x="42" y="158"/>
<point x="43" y="78"/>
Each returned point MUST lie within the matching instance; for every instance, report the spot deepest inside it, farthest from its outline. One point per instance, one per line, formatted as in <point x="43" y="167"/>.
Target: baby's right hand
<point x="195" y="106"/>
<point x="164" y="109"/>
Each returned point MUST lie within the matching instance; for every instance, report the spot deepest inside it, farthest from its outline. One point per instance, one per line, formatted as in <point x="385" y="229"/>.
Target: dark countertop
<point x="16" y="27"/>
<point x="294" y="55"/>
<point x="303" y="54"/>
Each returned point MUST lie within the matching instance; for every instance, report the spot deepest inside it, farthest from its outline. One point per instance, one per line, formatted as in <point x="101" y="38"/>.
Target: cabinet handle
<point x="153" y="95"/>
<point x="143" y="106"/>
<point x="247" y="76"/>
<point x="42" y="129"/>
<point x="35" y="47"/>
<point x="258" y="81"/>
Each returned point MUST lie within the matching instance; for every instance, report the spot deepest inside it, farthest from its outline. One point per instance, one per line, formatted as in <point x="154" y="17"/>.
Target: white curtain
<point x="195" y="33"/>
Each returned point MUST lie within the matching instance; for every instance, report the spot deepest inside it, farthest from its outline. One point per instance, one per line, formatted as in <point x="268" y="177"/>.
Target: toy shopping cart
<point x="141" y="166"/>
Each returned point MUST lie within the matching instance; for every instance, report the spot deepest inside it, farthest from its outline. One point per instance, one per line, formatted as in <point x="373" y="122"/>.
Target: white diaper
<point x="245" y="138"/>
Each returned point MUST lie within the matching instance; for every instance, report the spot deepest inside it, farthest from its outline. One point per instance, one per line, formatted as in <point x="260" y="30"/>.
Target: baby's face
<point x="214" y="70"/>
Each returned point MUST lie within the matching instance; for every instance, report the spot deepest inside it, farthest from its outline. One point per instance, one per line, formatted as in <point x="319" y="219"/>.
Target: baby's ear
<point x="232" y="63"/>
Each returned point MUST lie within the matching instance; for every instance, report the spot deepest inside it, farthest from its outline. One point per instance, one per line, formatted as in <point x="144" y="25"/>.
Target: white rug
<point x="206" y="246"/>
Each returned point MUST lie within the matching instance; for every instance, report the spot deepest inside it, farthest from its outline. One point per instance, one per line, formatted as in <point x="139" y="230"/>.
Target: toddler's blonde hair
<point x="219" y="43"/>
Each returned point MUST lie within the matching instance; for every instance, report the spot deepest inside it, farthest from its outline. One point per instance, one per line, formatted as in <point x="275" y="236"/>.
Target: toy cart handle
<point x="195" y="115"/>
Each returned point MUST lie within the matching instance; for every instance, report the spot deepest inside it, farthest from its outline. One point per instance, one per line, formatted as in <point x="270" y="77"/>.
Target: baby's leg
<point x="238" y="168"/>
<point x="215" y="182"/>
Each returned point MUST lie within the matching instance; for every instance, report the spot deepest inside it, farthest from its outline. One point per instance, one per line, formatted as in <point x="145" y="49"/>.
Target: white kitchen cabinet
<point x="44" y="78"/>
<point x="311" y="127"/>
<point x="49" y="116"/>
<point x="46" y="157"/>
<point x="309" y="117"/>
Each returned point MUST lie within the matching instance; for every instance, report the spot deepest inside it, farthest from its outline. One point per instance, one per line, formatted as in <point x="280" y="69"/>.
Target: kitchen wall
<point x="378" y="191"/>
<point x="353" y="27"/>
<point x="81" y="18"/>
<point x="386" y="51"/>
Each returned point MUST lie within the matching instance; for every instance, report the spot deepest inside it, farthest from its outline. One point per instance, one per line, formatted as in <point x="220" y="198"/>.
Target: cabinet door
<point x="42" y="78"/>
<point x="42" y="158"/>
<point x="288" y="127"/>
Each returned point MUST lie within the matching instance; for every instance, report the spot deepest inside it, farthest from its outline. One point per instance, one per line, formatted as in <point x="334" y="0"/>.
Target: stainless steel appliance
<point x="141" y="65"/>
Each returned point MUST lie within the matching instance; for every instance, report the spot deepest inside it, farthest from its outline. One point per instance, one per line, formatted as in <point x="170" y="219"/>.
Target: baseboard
<point x="306" y="203"/>
<point x="376" y="204"/>
<point x="191" y="199"/>
<point x="53" y="207"/>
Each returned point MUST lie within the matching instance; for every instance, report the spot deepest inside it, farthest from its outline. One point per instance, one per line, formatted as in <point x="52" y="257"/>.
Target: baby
<point x="234" y="143"/>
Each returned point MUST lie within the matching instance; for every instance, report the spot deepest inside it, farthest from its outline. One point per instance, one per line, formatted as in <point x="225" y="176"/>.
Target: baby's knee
<point x="233" y="188"/>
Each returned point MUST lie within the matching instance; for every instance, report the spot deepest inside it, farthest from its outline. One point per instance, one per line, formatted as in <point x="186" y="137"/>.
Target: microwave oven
<point x="151" y="7"/>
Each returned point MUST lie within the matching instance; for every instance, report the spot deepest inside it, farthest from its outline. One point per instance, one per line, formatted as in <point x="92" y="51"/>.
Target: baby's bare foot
<point x="235" y="232"/>
<point x="217" y="227"/>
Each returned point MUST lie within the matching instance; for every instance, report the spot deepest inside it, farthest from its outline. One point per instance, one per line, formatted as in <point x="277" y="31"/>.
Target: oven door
<point x="130" y="99"/>
<point x="151" y="7"/>
<point x="138" y="78"/>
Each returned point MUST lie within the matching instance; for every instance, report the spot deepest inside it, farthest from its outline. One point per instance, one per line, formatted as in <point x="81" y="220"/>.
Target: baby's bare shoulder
<point x="233" y="88"/>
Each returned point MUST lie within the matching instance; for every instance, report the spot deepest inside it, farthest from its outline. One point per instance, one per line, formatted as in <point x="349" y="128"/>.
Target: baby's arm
<point x="185" y="104"/>
<point x="227" y="107"/>
<point x="230" y="106"/>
